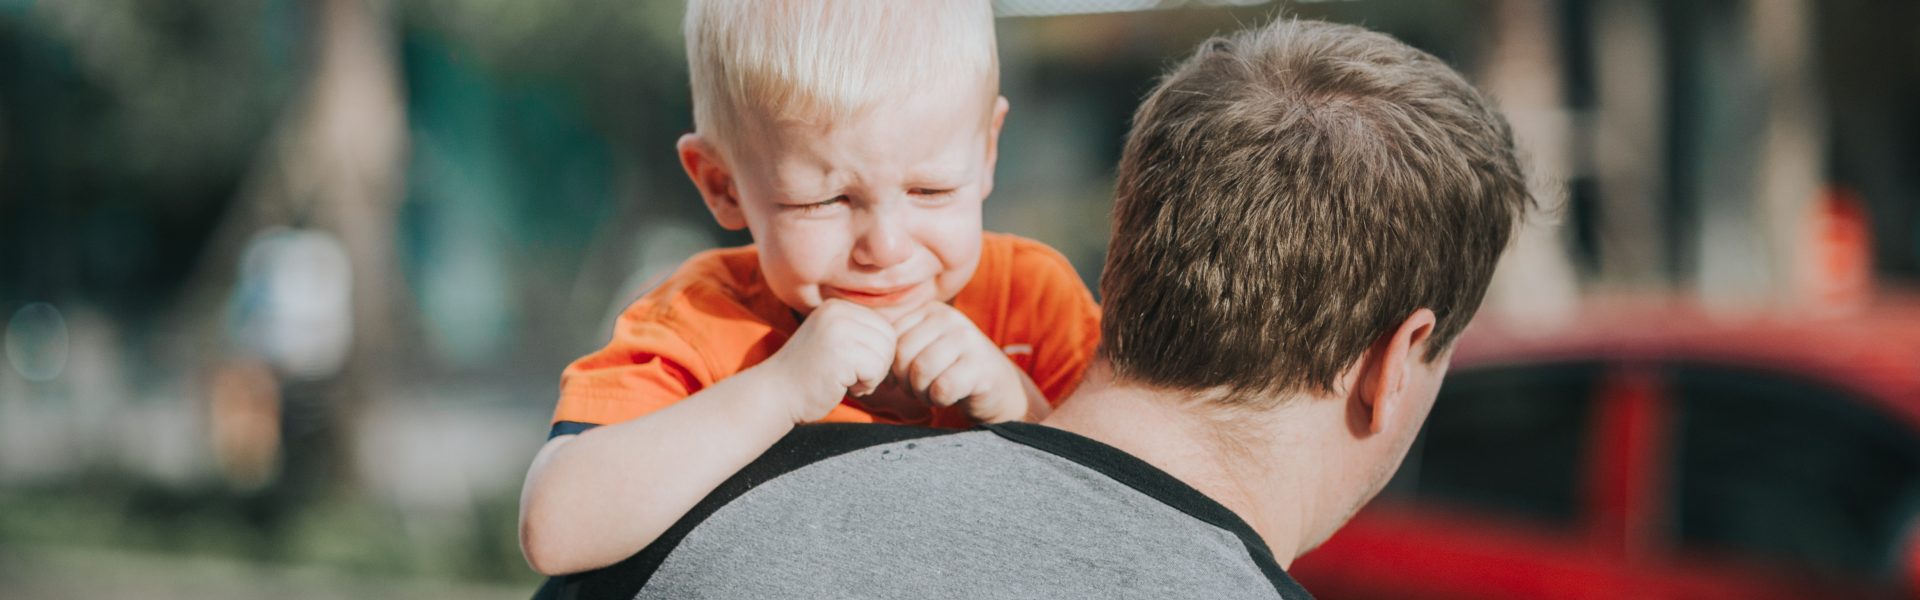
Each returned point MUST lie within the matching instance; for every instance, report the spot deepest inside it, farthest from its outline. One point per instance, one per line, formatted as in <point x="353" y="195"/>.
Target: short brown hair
<point x="1291" y="193"/>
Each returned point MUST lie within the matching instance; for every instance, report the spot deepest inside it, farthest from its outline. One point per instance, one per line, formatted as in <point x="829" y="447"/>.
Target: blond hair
<point x="818" y="61"/>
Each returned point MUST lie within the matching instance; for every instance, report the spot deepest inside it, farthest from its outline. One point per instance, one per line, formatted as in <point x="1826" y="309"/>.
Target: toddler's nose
<point x="882" y="243"/>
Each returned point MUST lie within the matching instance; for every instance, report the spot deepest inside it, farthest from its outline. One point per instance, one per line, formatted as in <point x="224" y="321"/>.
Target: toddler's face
<point x="882" y="209"/>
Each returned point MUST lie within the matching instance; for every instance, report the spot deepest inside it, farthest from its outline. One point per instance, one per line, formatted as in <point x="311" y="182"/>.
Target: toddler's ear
<point x="1000" y="107"/>
<point x="993" y="138"/>
<point x="709" y="172"/>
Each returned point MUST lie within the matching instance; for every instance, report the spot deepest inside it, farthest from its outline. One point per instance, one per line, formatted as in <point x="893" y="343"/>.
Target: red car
<point x="1658" y="453"/>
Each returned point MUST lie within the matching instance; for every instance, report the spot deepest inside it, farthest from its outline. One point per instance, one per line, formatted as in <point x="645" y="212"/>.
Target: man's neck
<point x="1244" y="471"/>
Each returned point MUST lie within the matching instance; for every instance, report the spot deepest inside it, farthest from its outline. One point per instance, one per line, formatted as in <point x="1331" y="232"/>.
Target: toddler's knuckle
<point x="945" y="389"/>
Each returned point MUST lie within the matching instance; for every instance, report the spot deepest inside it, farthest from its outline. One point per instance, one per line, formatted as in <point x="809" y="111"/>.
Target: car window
<point x="1504" y="441"/>
<point x="1781" y="469"/>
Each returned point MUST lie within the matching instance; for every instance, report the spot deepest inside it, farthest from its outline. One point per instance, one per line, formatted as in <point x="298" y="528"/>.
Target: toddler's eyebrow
<point x="942" y="174"/>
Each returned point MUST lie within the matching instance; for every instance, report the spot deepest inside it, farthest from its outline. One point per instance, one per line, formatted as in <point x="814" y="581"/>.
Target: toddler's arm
<point x="594" y="499"/>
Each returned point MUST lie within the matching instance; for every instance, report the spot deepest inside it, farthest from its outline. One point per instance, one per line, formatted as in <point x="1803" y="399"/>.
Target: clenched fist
<point x="842" y="348"/>
<point x="946" y="360"/>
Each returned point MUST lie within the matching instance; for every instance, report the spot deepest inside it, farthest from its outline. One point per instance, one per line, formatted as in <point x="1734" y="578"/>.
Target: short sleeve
<point x="1059" y="315"/>
<point x="646" y="367"/>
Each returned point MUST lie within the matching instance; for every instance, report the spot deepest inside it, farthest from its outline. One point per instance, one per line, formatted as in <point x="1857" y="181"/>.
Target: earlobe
<point x="713" y="178"/>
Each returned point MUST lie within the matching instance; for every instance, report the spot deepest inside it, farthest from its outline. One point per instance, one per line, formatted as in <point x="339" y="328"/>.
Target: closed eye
<point x="817" y="208"/>
<point x="932" y="196"/>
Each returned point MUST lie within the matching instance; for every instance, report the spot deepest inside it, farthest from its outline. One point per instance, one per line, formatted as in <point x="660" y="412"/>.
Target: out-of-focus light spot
<point x="36" y="341"/>
<point x="468" y="296"/>
<point x="293" y="302"/>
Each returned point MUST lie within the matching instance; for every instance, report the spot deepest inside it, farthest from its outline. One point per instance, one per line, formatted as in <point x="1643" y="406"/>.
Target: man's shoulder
<point x="1015" y="510"/>
<point x="806" y="445"/>
<point x="809" y="444"/>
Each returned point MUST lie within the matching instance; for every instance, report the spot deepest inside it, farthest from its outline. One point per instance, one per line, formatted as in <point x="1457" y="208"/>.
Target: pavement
<point x="49" y="573"/>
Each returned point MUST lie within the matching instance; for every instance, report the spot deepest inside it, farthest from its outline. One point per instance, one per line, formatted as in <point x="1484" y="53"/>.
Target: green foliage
<point x="190" y="87"/>
<point x="594" y="39"/>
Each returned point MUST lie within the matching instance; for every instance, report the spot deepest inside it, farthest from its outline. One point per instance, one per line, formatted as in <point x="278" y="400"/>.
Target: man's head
<point x="854" y="139"/>
<point x="1308" y="209"/>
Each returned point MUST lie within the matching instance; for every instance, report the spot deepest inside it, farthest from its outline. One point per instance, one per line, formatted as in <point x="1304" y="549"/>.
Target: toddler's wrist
<point x="792" y="393"/>
<point x="770" y="394"/>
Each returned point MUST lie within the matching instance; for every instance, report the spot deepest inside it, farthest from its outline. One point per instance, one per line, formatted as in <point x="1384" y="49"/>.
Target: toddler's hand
<point x="946" y="360"/>
<point x="842" y="348"/>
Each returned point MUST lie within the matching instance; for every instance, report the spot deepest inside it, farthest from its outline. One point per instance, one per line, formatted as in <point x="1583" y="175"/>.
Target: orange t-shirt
<point x="715" y="317"/>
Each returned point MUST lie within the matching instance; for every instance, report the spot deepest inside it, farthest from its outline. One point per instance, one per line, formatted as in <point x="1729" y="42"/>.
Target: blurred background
<point x="286" y="285"/>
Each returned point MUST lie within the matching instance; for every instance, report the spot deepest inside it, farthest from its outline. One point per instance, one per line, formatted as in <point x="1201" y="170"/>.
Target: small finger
<point x="914" y="341"/>
<point x="873" y="346"/>
<point x="872" y="375"/>
<point x="916" y="316"/>
<point x="929" y="365"/>
<point x="952" y="386"/>
<point x="876" y="322"/>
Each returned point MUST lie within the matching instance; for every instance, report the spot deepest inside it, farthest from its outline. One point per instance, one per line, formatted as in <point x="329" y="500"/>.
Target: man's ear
<point x="710" y="173"/>
<point x="1000" y="107"/>
<point x="1381" y="379"/>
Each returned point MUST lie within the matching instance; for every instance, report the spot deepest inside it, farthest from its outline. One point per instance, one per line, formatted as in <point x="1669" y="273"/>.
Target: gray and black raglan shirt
<point x="1004" y="511"/>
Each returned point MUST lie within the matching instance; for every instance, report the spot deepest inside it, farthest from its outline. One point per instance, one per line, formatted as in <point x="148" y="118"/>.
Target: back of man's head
<point x="1290" y="194"/>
